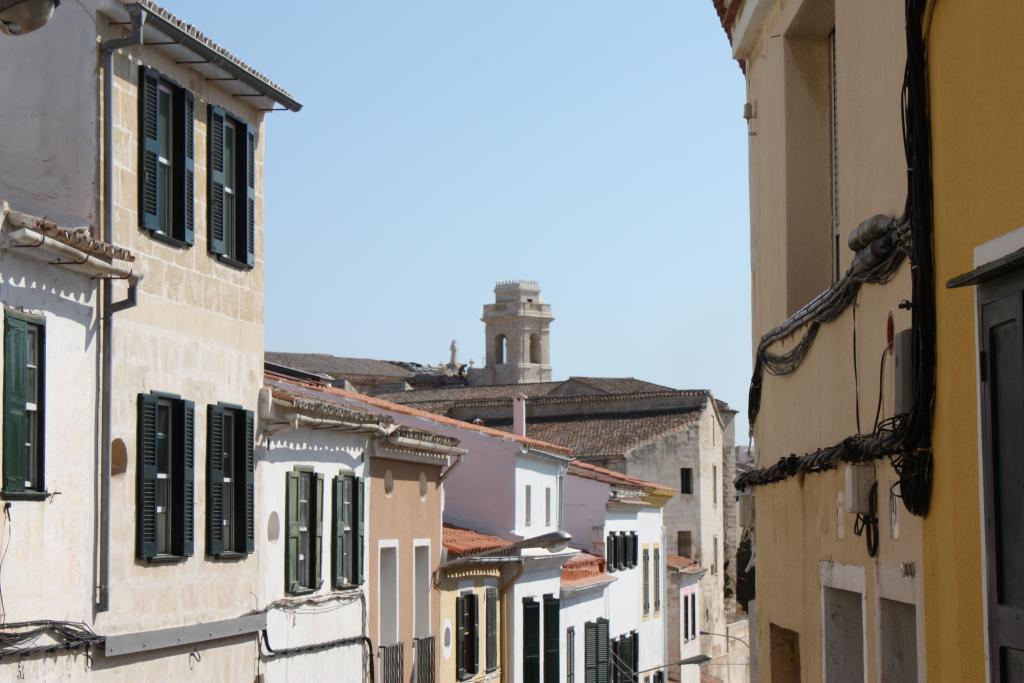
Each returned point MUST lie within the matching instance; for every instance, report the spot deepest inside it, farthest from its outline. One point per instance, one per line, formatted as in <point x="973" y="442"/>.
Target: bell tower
<point x="516" y="335"/>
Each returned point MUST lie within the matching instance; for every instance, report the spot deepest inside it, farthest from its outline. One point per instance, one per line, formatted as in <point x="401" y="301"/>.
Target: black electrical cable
<point x="867" y="525"/>
<point x="905" y="439"/>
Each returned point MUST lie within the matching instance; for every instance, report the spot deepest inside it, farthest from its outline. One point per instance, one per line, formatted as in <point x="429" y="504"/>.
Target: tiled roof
<point x="337" y="366"/>
<point x="574" y="386"/>
<point x="459" y="541"/>
<point x="585" y="570"/>
<point x="79" y="238"/>
<point x="194" y="33"/>
<point x="683" y="564"/>
<point x="590" y="471"/>
<point x="607" y="435"/>
<point x="406" y="410"/>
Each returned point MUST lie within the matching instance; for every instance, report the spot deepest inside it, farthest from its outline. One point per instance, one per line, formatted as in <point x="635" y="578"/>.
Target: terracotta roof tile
<point x="584" y="570"/>
<point x="325" y="389"/>
<point x="459" y="541"/>
<point x="590" y="471"/>
<point x="683" y="564"/>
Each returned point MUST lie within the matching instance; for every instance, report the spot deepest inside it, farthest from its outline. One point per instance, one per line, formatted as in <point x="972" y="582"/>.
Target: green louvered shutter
<point x="15" y="417"/>
<point x="214" y="480"/>
<point x="590" y="652"/>
<point x="531" y="641"/>
<point x="359" y="511"/>
<point x="250" y="196"/>
<point x="602" y="651"/>
<point x="552" y="658"/>
<point x="342" y="559"/>
<point x="316" y="508"/>
<point x="491" y="646"/>
<point x="250" y="481"/>
<point x="460" y="636"/>
<point x="146" y="523"/>
<point x="149" y="150"/>
<point x="215" y="185"/>
<point x="291" y="550"/>
<point x="473" y="626"/>
<point x="188" y="478"/>
<point x="186" y="190"/>
<point x="634" y="651"/>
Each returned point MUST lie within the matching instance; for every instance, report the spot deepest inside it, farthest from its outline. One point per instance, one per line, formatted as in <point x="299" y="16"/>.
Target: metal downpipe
<point x="107" y="49"/>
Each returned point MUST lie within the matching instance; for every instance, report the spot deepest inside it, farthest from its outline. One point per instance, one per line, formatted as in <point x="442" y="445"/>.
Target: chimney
<point x="519" y="415"/>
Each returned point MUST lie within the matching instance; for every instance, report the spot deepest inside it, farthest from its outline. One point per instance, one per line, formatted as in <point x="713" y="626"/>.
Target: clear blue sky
<point x="597" y="146"/>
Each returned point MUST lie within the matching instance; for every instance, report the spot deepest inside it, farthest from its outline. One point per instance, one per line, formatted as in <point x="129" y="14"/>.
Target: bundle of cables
<point x="45" y="637"/>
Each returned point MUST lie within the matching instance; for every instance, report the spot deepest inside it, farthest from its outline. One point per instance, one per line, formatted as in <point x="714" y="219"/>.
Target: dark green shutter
<point x="636" y="544"/>
<point x="342" y="556"/>
<point x="647" y="581"/>
<point x="215" y="480"/>
<point x="215" y="186"/>
<point x="657" y="580"/>
<point x="634" y="651"/>
<point x="188" y="478"/>
<point x="590" y="652"/>
<point x="146" y="523"/>
<point x="15" y="417"/>
<point x="491" y="646"/>
<point x="615" y="662"/>
<point x="609" y="552"/>
<point x="250" y="481"/>
<point x="250" y="196"/>
<point x="186" y="192"/>
<point x="291" y="549"/>
<point x="473" y="626"/>
<point x="359" y="512"/>
<point x="552" y="658"/>
<point x="149" y="149"/>
<point x="570" y="655"/>
<point x="316" y="508"/>
<point x="531" y="641"/>
<point x="602" y="650"/>
<point x="460" y="636"/>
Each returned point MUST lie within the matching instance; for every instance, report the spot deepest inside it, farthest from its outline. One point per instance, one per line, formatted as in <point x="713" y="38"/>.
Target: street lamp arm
<point x="698" y="659"/>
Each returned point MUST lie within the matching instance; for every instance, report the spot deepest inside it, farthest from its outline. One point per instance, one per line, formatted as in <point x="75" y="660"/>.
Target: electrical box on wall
<point x="903" y="350"/>
<point x="859" y="479"/>
<point x="747" y="510"/>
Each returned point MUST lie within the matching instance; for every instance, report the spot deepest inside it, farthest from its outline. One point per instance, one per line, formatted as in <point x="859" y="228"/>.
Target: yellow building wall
<point x="978" y="167"/>
<point x="454" y="584"/>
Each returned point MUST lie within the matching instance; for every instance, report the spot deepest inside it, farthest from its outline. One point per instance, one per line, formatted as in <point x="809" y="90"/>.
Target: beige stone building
<point x="839" y="576"/>
<point x="131" y="125"/>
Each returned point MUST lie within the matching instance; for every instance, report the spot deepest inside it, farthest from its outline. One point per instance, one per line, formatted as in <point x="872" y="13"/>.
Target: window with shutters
<point x="528" y="502"/>
<point x="693" y="616"/>
<point x="547" y="506"/>
<point x="467" y="635"/>
<point x="23" y="406"/>
<point x="231" y="189"/>
<point x="531" y="641"/>
<point x="492" y="630"/>
<point x="596" y="652"/>
<point x="305" y="492"/>
<point x="634" y="545"/>
<point x="230" y="485"/>
<point x="686" y="480"/>
<point x="570" y="655"/>
<point x="686" y="618"/>
<point x="166" y="158"/>
<point x="714" y="484"/>
<point x="714" y="556"/>
<point x="349" y="530"/>
<point x="166" y="477"/>
<point x="647" y="581"/>
<point x="552" y="631"/>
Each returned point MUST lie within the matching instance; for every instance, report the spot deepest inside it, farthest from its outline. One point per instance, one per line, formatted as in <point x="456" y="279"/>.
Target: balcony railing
<point x="392" y="667"/>
<point x="424" y="653"/>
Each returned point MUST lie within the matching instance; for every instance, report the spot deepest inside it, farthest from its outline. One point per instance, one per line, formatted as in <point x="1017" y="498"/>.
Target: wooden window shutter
<point x="647" y="581"/>
<point x="570" y="655"/>
<point x="146" y="523"/>
<point x="460" y="636"/>
<point x="609" y="551"/>
<point x="686" y="618"/>
<point x="317" y="509"/>
<point x="634" y="541"/>
<point x="250" y="481"/>
<point x="657" y="579"/>
<point x="552" y="630"/>
<point x="214" y="480"/>
<point x="215" y="184"/>
<point x="149" y="149"/>
<point x="615" y="661"/>
<point x="531" y="641"/>
<point x="359" y="511"/>
<point x="590" y="652"/>
<point x="291" y="549"/>
<point x="342" y="561"/>
<point x="250" y="196"/>
<point x="185" y="192"/>
<point x="491" y="647"/>
<point x="473" y="626"/>
<point x="693" y="615"/>
<point x="603" y="669"/>
<point x="188" y="477"/>
<point x="634" y="652"/>
<point x="15" y="417"/>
